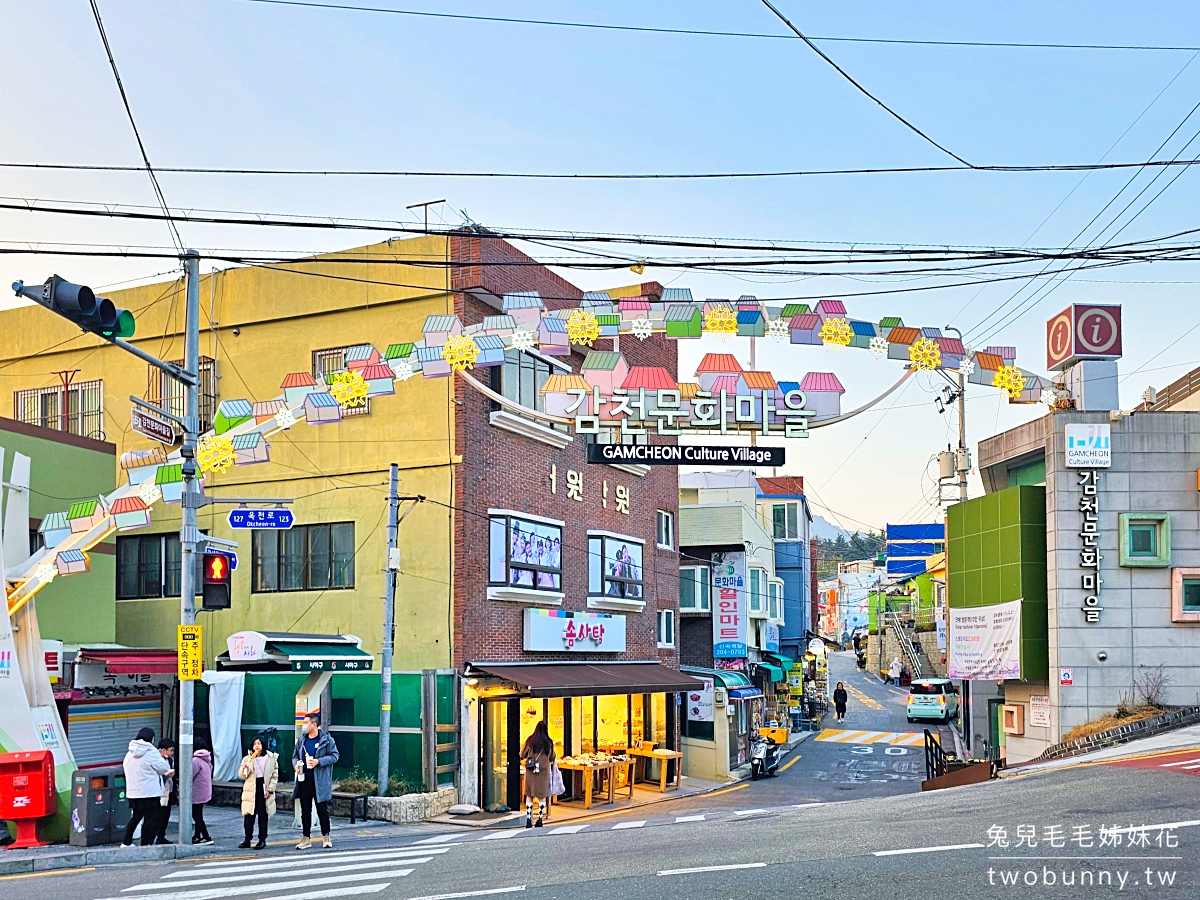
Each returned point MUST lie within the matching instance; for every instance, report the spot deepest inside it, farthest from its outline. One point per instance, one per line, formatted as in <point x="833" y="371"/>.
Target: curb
<point x="84" y="857"/>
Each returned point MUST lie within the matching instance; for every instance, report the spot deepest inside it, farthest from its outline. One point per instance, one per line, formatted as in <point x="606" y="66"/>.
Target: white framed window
<point x="666" y="530"/>
<point x="785" y="520"/>
<point x="694" y="589"/>
<point x="614" y="566"/>
<point x="666" y="628"/>
<point x="758" y="591"/>
<point x="525" y="553"/>
<point x="775" y="600"/>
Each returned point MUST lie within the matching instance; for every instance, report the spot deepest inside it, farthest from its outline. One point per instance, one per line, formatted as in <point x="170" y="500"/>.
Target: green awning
<point x="730" y="678"/>
<point x="776" y="673"/>
<point x="785" y="662"/>
<point x="321" y="657"/>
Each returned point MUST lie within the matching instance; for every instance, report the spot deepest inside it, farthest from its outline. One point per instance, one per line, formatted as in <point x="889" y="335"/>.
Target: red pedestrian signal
<point x="217" y="571"/>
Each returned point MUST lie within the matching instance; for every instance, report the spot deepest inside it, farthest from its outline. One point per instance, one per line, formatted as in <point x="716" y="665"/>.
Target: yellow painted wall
<point x="335" y="473"/>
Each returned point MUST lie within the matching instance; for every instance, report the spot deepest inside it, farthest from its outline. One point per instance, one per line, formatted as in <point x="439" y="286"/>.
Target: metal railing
<point x="894" y="621"/>
<point x="935" y="756"/>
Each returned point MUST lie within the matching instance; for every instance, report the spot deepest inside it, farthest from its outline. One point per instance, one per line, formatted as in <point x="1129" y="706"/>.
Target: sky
<point x="237" y="83"/>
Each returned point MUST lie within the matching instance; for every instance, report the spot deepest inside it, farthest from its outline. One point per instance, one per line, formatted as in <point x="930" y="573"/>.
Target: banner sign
<point x="730" y="622"/>
<point x="1089" y="446"/>
<point x="190" y="651"/>
<point x="985" y="642"/>
<point x="559" y="630"/>
<point x="685" y="455"/>
<point x="700" y="702"/>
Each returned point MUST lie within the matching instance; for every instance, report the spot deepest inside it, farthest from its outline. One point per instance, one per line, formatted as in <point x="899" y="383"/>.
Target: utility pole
<point x="962" y="459"/>
<point x="389" y="632"/>
<point x="188" y="536"/>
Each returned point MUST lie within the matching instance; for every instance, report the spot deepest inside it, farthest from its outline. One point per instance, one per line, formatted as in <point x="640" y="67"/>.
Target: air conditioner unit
<point x="719" y="698"/>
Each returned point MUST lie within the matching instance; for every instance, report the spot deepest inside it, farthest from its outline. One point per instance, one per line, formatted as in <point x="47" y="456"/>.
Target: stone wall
<point x="412" y="807"/>
<point x="1177" y="718"/>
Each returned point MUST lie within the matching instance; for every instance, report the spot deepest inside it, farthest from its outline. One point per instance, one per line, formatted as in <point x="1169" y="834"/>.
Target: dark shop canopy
<point x="586" y="679"/>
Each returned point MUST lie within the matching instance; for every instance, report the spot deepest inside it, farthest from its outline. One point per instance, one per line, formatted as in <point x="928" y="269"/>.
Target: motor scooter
<point x="861" y="658"/>
<point x="764" y="758"/>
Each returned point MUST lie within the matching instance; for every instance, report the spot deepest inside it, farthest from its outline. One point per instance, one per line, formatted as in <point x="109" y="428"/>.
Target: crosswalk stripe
<point x="621" y="825"/>
<point x="567" y="829"/>
<point x="439" y="839"/>
<point x="314" y="869"/>
<point x="689" y="819"/>
<point x="1181" y="762"/>
<point x="910" y="739"/>
<point x="501" y="835"/>
<point x="239" y="889"/>
<point x="836" y="736"/>
<point x="234" y="869"/>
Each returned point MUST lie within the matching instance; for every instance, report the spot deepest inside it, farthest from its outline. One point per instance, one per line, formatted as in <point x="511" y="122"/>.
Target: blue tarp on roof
<point x="932" y="531"/>
<point x="905" y="566"/>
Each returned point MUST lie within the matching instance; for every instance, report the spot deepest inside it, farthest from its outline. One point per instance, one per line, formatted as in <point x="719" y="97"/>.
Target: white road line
<point x="507" y="890"/>
<point x="748" y="812"/>
<point x="439" y="839"/>
<point x="334" y="856"/>
<point x="1165" y="826"/>
<point x="282" y="871"/>
<point x="285" y="864"/>
<point x="757" y="865"/>
<point x="566" y="829"/>
<point x="1181" y="762"/>
<point x="243" y="889"/>
<point x="928" y="849"/>
<point x="621" y="825"/>
<point x="501" y="835"/>
<point x="689" y="819"/>
<point x="1193" y="766"/>
<point x="807" y="805"/>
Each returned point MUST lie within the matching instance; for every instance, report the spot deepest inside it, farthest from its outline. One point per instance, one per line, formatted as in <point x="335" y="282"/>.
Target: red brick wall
<point x="503" y="470"/>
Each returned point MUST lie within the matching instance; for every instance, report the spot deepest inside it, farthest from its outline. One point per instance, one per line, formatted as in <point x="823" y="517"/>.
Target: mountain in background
<point x="824" y="530"/>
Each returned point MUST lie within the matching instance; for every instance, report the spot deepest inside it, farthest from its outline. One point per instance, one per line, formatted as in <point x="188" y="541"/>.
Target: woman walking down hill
<point x="839" y="702"/>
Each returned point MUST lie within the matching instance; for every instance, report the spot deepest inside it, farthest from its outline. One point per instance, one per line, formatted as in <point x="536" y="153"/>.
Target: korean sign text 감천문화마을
<point x="667" y="410"/>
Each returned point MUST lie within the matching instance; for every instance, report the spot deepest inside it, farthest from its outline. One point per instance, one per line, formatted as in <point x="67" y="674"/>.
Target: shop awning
<point x="286" y="652"/>
<point x="744" y="693"/>
<point x="586" y="679"/>
<point x="776" y="673"/>
<point x="784" y="662"/>
<point x="131" y="661"/>
<point x="729" y="678"/>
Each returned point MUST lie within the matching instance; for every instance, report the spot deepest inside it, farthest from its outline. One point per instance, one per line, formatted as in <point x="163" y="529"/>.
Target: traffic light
<point x="217" y="570"/>
<point x="78" y="303"/>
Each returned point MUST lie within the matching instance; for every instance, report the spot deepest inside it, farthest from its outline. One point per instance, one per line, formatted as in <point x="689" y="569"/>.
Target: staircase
<point x="918" y="663"/>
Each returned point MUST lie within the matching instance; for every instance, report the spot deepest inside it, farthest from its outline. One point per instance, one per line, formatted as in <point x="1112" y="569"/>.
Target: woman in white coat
<point x="259" y="772"/>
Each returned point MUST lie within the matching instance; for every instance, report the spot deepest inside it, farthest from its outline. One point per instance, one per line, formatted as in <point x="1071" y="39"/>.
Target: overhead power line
<point x="699" y="32"/>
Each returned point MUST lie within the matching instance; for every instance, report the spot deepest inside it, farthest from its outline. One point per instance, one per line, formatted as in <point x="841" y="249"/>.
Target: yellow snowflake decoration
<point x="582" y="328"/>
<point x="349" y="389"/>
<point x="215" y="454"/>
<point x="1011" y="380"/>
<point x="721" y="321"/>
<point x="460" y="352"/>
<point x="836" y="332"/>
<point x="925" y="354"/>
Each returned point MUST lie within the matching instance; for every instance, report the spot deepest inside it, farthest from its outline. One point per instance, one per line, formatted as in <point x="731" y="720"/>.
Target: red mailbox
<point x="27" y="793"/>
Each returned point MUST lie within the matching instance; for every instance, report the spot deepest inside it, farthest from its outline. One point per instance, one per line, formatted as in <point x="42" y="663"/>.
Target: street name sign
<point x="684" y="455"/>
<point x="261" y="518"/>
<point x="151" y="426"/>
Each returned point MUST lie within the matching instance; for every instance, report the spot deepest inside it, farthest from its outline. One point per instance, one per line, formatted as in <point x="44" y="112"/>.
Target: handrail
<point x="935" y="756"/>
<point x="914" y="661"/>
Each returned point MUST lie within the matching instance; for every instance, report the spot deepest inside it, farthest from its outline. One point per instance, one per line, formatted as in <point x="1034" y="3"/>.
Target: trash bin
<point x="99" y="809"/>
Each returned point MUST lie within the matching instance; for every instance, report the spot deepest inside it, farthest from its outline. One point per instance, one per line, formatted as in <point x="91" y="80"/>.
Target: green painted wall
<point x="78" y="609"/>
<point x="1030" y="473"/>
<point x="997" y="553"/>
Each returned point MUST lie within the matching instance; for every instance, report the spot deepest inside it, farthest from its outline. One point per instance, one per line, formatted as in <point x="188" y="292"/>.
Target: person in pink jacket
<point x="202" y="777"/>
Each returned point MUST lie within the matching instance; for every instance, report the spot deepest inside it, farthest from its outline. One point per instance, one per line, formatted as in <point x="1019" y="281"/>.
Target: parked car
<point x="932" y="698"/>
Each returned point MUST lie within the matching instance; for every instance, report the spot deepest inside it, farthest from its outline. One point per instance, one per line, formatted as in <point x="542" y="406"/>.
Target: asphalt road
<point x="827" y="849"/>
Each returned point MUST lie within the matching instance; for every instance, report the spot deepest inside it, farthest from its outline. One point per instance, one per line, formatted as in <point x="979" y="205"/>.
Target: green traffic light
<point x="125" y="325"/>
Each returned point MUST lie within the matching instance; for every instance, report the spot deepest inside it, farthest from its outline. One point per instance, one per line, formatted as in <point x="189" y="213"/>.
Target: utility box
<point x="99" y="808"/>
<point x="27" y="793"/>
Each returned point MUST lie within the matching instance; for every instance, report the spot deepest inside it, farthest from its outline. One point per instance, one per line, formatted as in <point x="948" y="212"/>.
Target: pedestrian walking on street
<point x="144" y="768"/>
<point x="313" y="759"/>
<point x="162" y="815"/>
<point x="202" y="773"/>
<point x="894" y="671"/>
<point x="839" y="702"/>
<point x="537" y="753"/>
<point x="259" y="772"/>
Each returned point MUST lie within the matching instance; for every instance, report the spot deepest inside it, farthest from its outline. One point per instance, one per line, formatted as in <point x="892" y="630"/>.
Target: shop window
<point x="1185" y="595"/>
<point x="758" y="591"/>
<point x="525" y="554"/>
<point x="303" y="558"/>
<point x="1145" y="539"/>
<point x="330" y="361"/>
<point x="614" y="567"/>
<point x="785" y="521"/>
<point x="666" y="530"/>
<point x="149" y="566"/>
<point x="694" y="589"/>
<point x="666" y="628"/>
<point x="78" y="410"/>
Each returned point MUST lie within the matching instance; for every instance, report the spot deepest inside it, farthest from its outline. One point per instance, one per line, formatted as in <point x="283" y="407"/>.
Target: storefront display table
<point x="589" y="769"/>
<point x="663" y="756"/>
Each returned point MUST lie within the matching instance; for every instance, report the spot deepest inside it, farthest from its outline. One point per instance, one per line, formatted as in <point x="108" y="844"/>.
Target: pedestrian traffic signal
<point x="217" y="570"/>
<point x="80" y="304"/>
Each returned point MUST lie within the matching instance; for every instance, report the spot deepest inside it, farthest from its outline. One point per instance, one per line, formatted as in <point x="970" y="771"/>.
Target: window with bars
<point x="332" y="360"/>
<point x="82" y="414"/>
<point x="166" y="393"/>
<point x="303" y="558"/>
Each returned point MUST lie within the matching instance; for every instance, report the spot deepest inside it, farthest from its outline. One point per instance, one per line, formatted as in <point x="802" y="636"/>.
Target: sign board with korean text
<point x="730" y="605"/>
<point x="190" y="649"/>
<point x="246" y="646"/>
<point x="151" y="426"/>
<point x="1089" y="446"/>
<point x="684" y="455"/>
<point x="560" y="630"/>
<point x="770" y="637"/>
<point x="985" y="642"/>
<point x="333" y="663"/>
<point x="261" y="518"/>
<point x="941" y="634"/>
<point x="96" y="675"/>
<point x="700" y="702"/>
<point x="1039" y="710"/>
<point x="1083" y="331"/>
<point x="1066" y="676"/>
